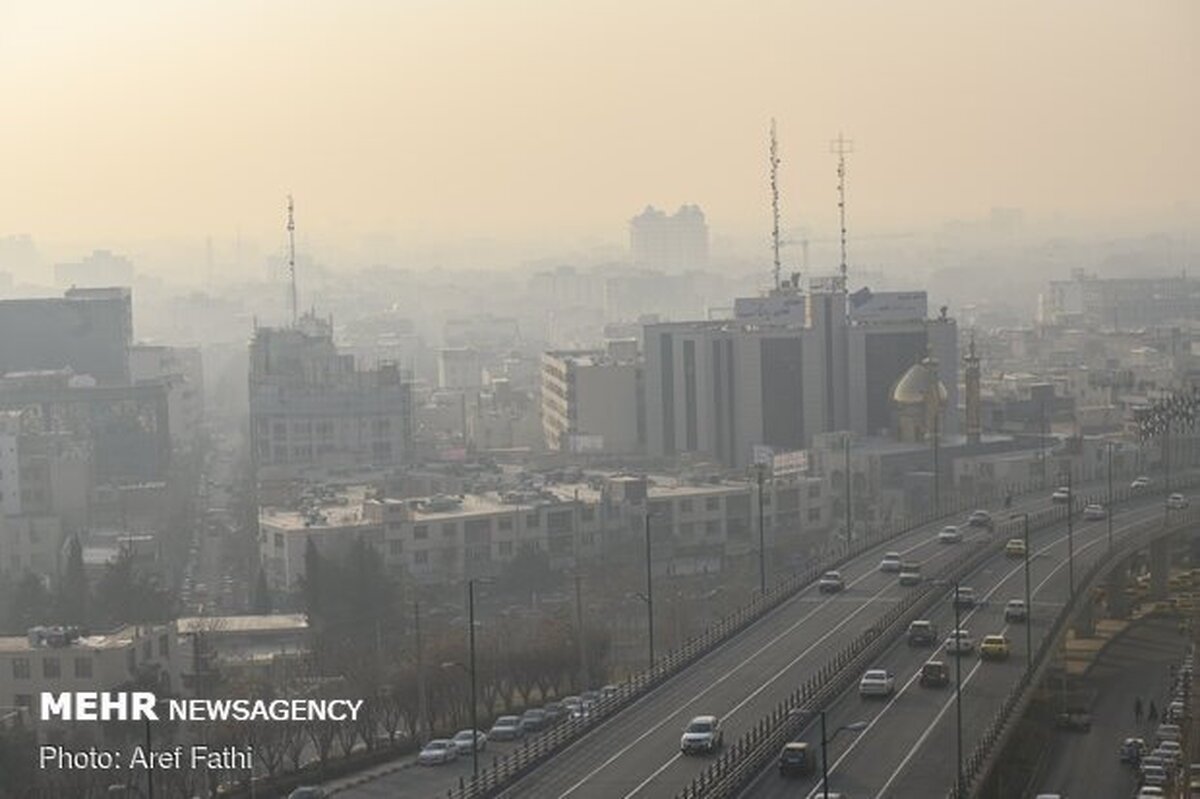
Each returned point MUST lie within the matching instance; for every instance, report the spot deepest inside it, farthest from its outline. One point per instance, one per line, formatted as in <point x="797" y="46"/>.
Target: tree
<point x="123" y="595"/>
<point x="31" y="604"/>
<point x="262" y="594"/>
<point x="528" y="574"/>
<point x="71" y="603"/>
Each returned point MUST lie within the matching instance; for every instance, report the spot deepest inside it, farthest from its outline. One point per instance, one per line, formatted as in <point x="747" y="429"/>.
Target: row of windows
<point x="51" y="668"/>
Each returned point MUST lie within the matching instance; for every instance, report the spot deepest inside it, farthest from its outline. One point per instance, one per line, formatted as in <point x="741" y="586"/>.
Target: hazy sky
<point x="524" y="118"/>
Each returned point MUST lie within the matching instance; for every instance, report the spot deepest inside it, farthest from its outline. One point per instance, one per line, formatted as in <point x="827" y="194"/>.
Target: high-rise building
<point x="312" y="409"/>
<point x="592" y="400"/>
<point x="87" y="331"/>
<point x="675" y="242"/>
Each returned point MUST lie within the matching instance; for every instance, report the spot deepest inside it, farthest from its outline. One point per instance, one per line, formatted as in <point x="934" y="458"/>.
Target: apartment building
<point x="332" y="524"/>
<point x="592" y="400"/>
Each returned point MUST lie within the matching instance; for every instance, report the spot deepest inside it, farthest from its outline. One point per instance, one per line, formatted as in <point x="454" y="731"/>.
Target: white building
<point x="332" y="525"/>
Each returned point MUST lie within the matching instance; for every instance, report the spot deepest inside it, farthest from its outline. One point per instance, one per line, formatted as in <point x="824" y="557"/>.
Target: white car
<point x="462" y="739"/>
<point x="877" y="682"/>
<point x="960" y="643"/>
<point x="1150" y="792"/>
<point x="1177" y="502"/>
<point x="1094" y="512"/>
<point x="1141" y="481"/>
<point x="437" y="752"/>
<point x="831" y="582"/>
<point x="1167" y="732"/>
<point x="950" y="534"/>
<point x="1015" y="610"/>
<point x="1061" y="495"/>
<point x="890" y="562"/>
<point x="702" y="734"/>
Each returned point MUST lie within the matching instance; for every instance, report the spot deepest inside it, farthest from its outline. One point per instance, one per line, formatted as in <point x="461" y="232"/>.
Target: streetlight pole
<point x="1109" y="514"/>
<point x="762" y="538"/>
<point x="474" y="700"/>
<point x="849" y="526"/>
<point x="649" y="593"/>
<point x="958" y="790"/>
<point x="1070" y="531"/>
<point x="857" y="726"/>
<point x="1028" y="600"/>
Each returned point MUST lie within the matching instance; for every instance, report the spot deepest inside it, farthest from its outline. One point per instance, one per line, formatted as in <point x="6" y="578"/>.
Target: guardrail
<point x="503" y="771"/>
<point x="741" y="763"/>
<point x="980" y="762"/>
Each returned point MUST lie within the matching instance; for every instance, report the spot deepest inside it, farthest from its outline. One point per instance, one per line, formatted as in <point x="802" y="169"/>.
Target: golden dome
<point x="914" y="386"/>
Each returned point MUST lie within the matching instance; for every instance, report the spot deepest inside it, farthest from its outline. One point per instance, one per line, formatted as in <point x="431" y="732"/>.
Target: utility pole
<point x="583" y="664"/>
<point x="649" y="593"/>
<point x="1071" y="530"/>
<point x="474" y="699"/>
<point x="1028" y="602"/>
<point x="849" y="526"/>
<point x="1109" y="513"/>
<point x="762" y="538"/>
<point x="958" y="792"/>
<point x="422" y="699"/>
<point x="937" y="475"/>
<point x="1042" y="442"/>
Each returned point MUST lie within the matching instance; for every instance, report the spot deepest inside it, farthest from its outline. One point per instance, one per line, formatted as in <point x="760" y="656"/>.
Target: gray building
<point x="87" y="331"/>
<point x="312" y="409"/>
<point x="673" y="242"/>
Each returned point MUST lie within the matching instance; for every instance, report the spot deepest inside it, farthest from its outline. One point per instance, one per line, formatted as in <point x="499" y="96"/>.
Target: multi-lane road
<point x="909" y="746"/>
<point x="636" y="754"/>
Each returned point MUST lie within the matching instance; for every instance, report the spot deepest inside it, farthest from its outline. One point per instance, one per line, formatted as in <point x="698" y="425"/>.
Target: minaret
<point x="974" y="419"/>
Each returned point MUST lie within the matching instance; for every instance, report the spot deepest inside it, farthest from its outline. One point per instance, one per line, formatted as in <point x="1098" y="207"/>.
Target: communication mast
<point x="291" y="229"/>
<point x="841" y="147"/>
<point x="774" y="163"/>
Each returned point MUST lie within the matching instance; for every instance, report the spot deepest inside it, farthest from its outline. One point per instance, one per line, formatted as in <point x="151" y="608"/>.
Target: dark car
<point x="922" y="632"/>
<point x="534" y="720"/>
<point x="934" y="674"/>
<point x="1075" y="720"/>
<point x="555" y="712"/>
<point x="980" y="518"/>
<point x="796" y="759"/>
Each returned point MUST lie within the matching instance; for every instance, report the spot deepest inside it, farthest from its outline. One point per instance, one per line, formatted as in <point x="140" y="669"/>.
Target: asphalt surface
<point x="1134" y="665"/>
<point x="908" y="748"/>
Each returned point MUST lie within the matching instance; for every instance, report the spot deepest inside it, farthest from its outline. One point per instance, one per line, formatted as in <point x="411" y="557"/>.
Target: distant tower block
<point x="974" y="411"/>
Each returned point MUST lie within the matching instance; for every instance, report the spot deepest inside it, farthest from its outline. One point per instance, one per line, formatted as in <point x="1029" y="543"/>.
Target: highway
<point x="637" y="753"/>
<point x="909" y="745"/>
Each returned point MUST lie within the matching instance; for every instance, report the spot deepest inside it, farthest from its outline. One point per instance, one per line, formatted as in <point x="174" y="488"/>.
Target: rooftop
<point x="274" y="622"/>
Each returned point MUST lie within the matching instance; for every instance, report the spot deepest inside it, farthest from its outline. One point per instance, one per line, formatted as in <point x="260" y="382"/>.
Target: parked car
<point x="507" y="728"/>
<point x="922" y="632"/>
<point x="831" y="582"/>
<point x="994" y="647"/>
<point x="1177" y="502"/>
<point x="1139" y="482"/>
<point x="702" y="734"/>
<point x="1061" y="495"/>
<point x="796" y="759"/>
<point x="910" y="573"/>
<point x="950" y="534"/>
<point x="965" y="598"/>
<point x="934" y="674"/>
<point x="437" y="752"/>
<point x="980" y="518"/>
<point x="890" y="562"/>
<point x="1094" y="512"/>
<point x="462" y="739"/>
<point x="555" y="712"/>
<point x="1015" y="610"/>
<point x="960" y="643"/>
<point x="1015" y="548"/>
<point x="534" y="719"/>
<point x="1167" y="732"/>
<point x="877" y="682"/>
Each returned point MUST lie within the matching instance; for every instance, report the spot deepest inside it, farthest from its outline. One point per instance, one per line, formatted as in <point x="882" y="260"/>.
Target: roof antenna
<point x="291" y="229"/>
<point x="774" y="162"/>
<point x="841" y="147"/>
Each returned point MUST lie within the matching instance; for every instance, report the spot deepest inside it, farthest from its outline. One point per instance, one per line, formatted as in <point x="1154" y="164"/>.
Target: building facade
<point x="88" y="331"/>
<point x="592" y="400"/>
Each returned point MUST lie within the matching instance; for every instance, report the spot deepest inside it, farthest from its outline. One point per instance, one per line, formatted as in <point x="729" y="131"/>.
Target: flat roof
<point x="272" y="622"/>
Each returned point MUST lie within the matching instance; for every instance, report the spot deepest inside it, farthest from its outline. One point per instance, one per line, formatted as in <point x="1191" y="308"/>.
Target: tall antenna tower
<point x="841" y="147"/>
<point x="774" y="163"/>
<point x="291" y="229"/>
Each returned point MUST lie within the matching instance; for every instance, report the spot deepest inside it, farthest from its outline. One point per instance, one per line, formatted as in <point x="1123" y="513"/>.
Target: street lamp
<point x="648" y="597"/>
<point x="958" y="656"/>
<point x="472" y="672"/>
<point x="1070" y="531"/>
<point x="857" y="726"/>
<point x="761" y="469"/>
<point x="1109" y="509"/>
<point x="1028" y="603"/>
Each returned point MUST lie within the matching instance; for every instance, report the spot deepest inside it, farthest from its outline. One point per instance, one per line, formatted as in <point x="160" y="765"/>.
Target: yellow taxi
<point x="994" y="647"/>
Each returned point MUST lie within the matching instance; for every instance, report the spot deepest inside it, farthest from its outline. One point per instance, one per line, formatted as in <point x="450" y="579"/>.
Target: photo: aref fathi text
<point x="196" y="756"/>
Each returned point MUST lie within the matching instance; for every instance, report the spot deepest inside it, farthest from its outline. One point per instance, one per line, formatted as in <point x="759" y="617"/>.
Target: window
<point x="531" y="520"/>
<point x="420" y="532"/>
<point x="20" y="668"/>
<point x="420" y="558"/>
<point x="51" y="669"/>
<point x="83" y="668"/>
<point x="712" y="503"/>
<point x="814" y="490"/>
<point x="712" y="527"/>
<point x="814" y="514"/>
<point x="449" y="529"/>
<point x="506" y="549"/>
<point x="685" y="506"/>
<point x="587" y="514"/>
<point x="687" y="529"/>
<point x="506" y="523"/>
<point x="279" y="540"/>
<point x="396" y="546"/>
